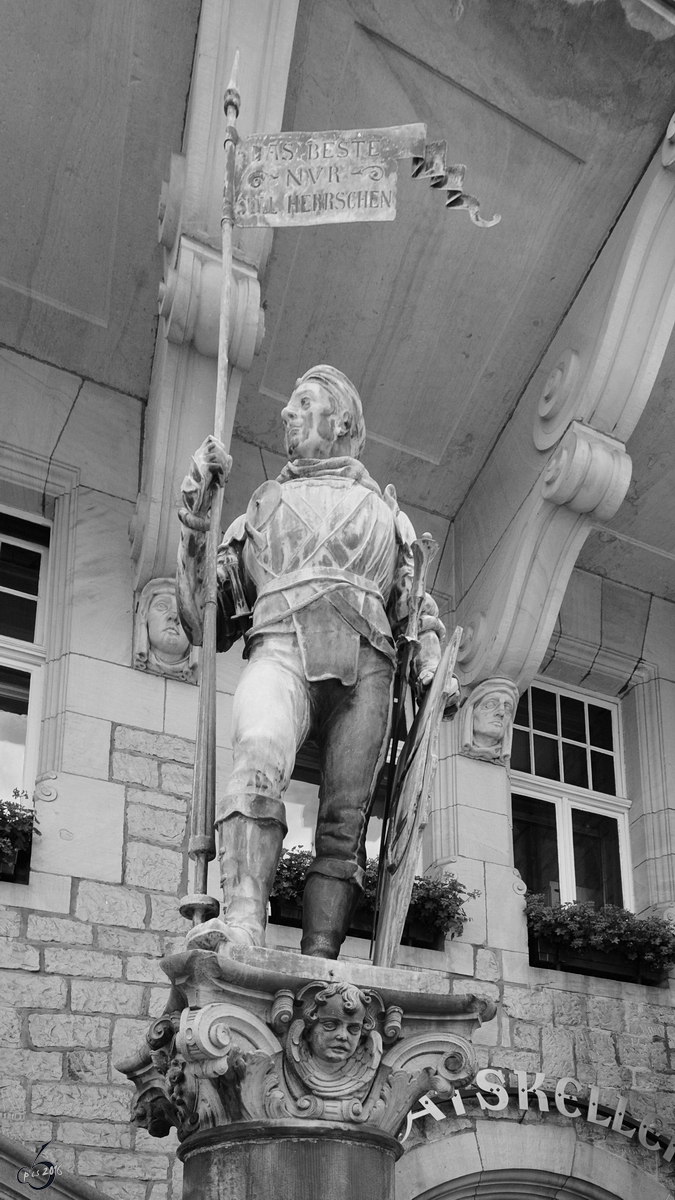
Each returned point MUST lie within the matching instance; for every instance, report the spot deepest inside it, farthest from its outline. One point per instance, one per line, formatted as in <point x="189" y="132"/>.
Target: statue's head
<point x="161" y="645"/>
<point x="488" y="719"/>
<point x="336" y="1021"/>
<point x="324" y="416"/>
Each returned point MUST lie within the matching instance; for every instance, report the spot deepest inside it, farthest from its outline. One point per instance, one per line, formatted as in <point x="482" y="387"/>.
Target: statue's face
<point x="336" y="1034"/>
<point x="165" y="632"/>
<point x="308" y="429"/>
<point x="491" y="718"/>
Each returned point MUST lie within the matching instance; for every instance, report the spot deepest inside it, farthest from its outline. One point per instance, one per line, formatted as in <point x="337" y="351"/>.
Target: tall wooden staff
<point x="202" y="846"/>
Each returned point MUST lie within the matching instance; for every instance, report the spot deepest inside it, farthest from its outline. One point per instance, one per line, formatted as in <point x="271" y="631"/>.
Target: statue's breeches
<point x="275" y="709"/>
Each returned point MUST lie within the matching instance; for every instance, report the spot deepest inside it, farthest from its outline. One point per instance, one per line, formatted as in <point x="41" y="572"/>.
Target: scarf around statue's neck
<point x="328" y="468"/>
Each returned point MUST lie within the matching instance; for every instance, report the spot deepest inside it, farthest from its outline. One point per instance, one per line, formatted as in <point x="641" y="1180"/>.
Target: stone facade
<point x="77" y="990"/>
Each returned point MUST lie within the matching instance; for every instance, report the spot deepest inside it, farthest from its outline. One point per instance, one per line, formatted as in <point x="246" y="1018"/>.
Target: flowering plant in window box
<point x="436" y="905"/>
<point x="17" y="826"/>
<point x="610" y="942"/>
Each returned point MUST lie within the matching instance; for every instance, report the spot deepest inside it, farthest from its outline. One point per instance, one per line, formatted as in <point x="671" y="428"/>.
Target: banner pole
<point x="202" y="845"/>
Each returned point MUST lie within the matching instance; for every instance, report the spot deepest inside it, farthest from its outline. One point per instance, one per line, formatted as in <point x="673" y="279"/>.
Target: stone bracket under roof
<point x="561" y="463"/>
<point x="182" y="392"/>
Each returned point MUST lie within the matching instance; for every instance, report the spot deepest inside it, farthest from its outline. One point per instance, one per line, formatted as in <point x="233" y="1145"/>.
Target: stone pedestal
<point x="283" y="1160"/>
<point x="289" y="1077"/>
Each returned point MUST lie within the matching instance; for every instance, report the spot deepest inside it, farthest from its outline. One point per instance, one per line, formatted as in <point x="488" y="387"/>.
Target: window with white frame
<point x="569" y="807"/>
<point x="23" y="572"/>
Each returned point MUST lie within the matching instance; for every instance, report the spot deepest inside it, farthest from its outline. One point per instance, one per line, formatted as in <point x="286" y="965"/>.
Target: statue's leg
<point x="352" y="728"/>
<point x="270" y="719"/>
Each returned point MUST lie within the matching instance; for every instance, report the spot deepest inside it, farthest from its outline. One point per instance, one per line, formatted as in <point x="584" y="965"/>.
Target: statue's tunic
<point x="327" y="558"/>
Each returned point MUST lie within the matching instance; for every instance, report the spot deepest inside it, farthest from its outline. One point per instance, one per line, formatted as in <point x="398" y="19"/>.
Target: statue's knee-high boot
<point x="249" y="850"/>
<point x="328" y="904"/>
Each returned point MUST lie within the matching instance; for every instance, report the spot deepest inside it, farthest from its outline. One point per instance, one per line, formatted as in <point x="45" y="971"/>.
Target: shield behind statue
<point x="414" y="776"/>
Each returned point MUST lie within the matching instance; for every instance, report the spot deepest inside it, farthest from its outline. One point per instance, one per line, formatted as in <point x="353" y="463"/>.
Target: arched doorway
<point x="507" y="1160"/>
<point x="518" y="1183"/>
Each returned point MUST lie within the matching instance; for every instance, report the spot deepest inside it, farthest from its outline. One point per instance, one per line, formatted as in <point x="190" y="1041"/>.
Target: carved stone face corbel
<point x="161" y="646"/>
<point x="487" y="721"/>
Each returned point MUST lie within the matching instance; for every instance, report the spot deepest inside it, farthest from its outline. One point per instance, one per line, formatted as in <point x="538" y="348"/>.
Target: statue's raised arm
<point x="210" y="467"/>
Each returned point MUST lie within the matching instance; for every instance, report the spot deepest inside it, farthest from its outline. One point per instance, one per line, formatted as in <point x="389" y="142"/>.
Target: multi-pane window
<point x="570" y="814"/>
<point x="23" y="559"/>
<point x="562" y="737"/>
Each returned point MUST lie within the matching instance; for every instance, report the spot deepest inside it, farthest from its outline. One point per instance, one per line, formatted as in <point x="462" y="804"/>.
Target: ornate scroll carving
<point x="558" y="389"/>
<point x="183" y="375"/>
<point x="189" y="300"/>
<point x="45" y="790"/>
<point x="217" y="1064"/>
<point x="510" y="610"/>
<point x="604" y="363"/>
<point x="606" y="380"/>
<point x="588" y="471"/>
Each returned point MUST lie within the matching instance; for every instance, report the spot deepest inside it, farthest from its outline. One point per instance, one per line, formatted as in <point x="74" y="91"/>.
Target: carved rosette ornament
<point x="339" y="1058"/>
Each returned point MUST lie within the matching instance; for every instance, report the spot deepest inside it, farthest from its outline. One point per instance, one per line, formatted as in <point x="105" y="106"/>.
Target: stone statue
<point x="160" y="643"/>
<point x="324" y="559"/>
<point x="487" y="720"/>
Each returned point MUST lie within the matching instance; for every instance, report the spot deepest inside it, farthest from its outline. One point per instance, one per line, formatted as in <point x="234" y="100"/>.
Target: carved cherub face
<point x="165" y="632"/>
<point x="309" y="424"/>
<point x="491" y="717"/>
<point x="335" y="1035"/>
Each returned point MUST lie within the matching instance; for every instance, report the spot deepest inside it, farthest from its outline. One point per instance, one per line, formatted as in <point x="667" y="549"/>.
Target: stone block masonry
<point x="77" y="991"/>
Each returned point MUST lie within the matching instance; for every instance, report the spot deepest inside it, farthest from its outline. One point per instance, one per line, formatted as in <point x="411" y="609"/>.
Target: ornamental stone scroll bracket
<point x="624" y="319"/>
<point x="510" y="611"/>
<point x="599" y="375"/>
<point x="189" y="301"/>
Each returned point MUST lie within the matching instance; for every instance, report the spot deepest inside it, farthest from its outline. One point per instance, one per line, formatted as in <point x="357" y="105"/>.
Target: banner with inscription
<point x="322" y="178"/>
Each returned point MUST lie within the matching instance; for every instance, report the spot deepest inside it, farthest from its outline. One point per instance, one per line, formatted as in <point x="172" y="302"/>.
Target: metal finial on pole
<point x="202" y="846"/>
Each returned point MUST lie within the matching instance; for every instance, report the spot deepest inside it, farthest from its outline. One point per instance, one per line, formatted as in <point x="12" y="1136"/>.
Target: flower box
<point x="15" y="867"/>
<point x="609" y="942"/>
<point x="18" y="825"/>
<point x="284" y="912"/>
<point x="605" y="964"/>
<point x="8" y="862"/>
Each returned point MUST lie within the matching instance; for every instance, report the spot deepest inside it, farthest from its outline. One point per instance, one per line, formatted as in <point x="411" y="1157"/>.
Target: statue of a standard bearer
<point x="323" y="559"/>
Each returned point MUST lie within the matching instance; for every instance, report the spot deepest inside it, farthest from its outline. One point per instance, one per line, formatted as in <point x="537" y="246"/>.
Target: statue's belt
<point x="335" y="580"/>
